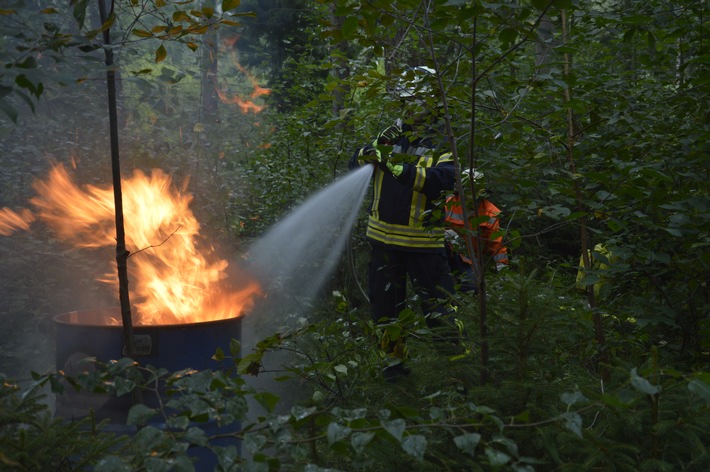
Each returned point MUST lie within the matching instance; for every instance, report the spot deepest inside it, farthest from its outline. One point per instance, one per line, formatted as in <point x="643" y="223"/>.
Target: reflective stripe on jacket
<point x="399" y="214"/>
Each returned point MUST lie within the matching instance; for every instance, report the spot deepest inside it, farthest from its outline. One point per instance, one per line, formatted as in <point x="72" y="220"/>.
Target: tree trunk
<point x="583" y="227"/>
<point x="209" y="112"/>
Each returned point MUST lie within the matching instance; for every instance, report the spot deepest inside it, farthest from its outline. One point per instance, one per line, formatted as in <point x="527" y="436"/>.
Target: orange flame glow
<point x="245" y="104"/>
<point x="11" y="221"/>
<point x="173" y="280"/>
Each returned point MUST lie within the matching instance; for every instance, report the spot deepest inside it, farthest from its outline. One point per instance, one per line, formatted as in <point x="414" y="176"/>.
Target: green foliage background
<point x="590" y="121"/>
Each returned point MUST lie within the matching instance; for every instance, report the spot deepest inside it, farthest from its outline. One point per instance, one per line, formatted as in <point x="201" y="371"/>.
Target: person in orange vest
<point x="464" y="266"/>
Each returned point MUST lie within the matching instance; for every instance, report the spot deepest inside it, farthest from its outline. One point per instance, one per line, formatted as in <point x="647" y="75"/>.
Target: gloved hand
<point x="369" y="154"/>
<point x="500" y="266"/>
<point x="389" y="135"/>
<point x="396" y="169"/>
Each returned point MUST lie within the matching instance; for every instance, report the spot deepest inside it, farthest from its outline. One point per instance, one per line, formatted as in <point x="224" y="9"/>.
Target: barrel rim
<point x="85" y="320"/>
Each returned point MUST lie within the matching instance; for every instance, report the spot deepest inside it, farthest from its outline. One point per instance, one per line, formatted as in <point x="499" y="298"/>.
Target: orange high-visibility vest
<point x="493" y="245"/>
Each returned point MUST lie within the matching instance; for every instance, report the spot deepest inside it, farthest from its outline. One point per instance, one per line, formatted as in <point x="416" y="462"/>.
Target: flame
<point x="11" y="221"/>
<point x="245" y="104"/>
<point x="173" y="279"/>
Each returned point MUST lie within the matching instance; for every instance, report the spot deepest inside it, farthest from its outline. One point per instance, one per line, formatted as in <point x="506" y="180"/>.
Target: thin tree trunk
<point x="584" y="232"/>
<point x="121" y="251"/>
<point x="208" y="67"/>
<point x="478" y="257"/>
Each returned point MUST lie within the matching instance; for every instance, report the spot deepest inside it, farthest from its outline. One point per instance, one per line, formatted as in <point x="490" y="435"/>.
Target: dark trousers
<point x="430" y="276"/>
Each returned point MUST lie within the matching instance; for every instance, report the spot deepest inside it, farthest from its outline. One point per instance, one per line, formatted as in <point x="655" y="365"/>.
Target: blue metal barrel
<point x="99" y="334"/>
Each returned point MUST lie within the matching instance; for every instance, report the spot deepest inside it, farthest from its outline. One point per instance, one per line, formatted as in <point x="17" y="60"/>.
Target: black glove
<point x="369" y="154"/>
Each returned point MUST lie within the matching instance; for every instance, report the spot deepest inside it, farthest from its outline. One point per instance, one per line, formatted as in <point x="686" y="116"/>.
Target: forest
<point x="211" y="139"/>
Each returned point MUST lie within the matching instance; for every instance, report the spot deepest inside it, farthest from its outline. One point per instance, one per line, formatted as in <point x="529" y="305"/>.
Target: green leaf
<point x="643" y="385"/>
<point x="235" y="347"/>
<point x="359" y="441"/>
<point x="142" y="33"/>
<point x="29" y="63"/>
<point x="349" y="27"/>
<point x="230" y="4"/>
<point x="701" y="388"/>
<point x="218" y="355"/>
<point x="674" y="232"/>
<point x="123" y="386"/>
<point x="140" y="414"/>
<point x="8" y="110"/>
<point x="267" y="400"/>
<point x="468" y="442"/>
<point x="160" y="54"/>
<point x="79" y="11"/>
<point x="497" y="458"/>
<point x="181" y="16"/>
<point x="250" y="363"/>
<point x="573" y="422"/>
<point x="196" y="436"/>
<point x="336" y="432"/>
<point x="415" y="445"/>
<point x="395" y="428"/>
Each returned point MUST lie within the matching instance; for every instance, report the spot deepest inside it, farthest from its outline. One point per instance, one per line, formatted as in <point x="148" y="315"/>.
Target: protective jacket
<point x="493" y="244"/>
<point x="400" y="214"/>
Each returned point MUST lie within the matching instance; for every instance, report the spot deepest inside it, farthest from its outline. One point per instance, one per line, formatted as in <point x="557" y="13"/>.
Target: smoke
<point x="293" y="260"/>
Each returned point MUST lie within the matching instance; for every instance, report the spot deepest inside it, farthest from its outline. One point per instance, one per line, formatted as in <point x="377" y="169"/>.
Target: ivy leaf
<point x="415" y="445"/>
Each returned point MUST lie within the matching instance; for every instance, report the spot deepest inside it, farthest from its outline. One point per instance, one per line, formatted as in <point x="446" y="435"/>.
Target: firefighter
<point x="466" y="267"/>
<point x="409" y="175"/>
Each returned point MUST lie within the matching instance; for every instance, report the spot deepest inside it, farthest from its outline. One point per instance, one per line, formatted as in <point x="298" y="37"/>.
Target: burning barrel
<point x="98" y="334"/>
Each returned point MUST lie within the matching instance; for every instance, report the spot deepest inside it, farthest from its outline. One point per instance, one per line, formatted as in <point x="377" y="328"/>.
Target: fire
<point x="245" y="104"/>
<point x="11" y="221"/>
<point x="172" y="279"/>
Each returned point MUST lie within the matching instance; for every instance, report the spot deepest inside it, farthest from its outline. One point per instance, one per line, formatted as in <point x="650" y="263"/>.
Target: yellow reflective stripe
<point x="419" y="200"/>
<point x="446" y="157"/>
<point x="403" y="229"/>
<point x="400" y="235"/>
<point x="376" y="192"/>
<point x="416" y="208"/>
<point x="396" y="240"/>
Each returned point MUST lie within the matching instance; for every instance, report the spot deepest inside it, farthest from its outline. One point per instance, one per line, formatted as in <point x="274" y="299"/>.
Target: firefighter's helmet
<point x="415" y="82"/>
